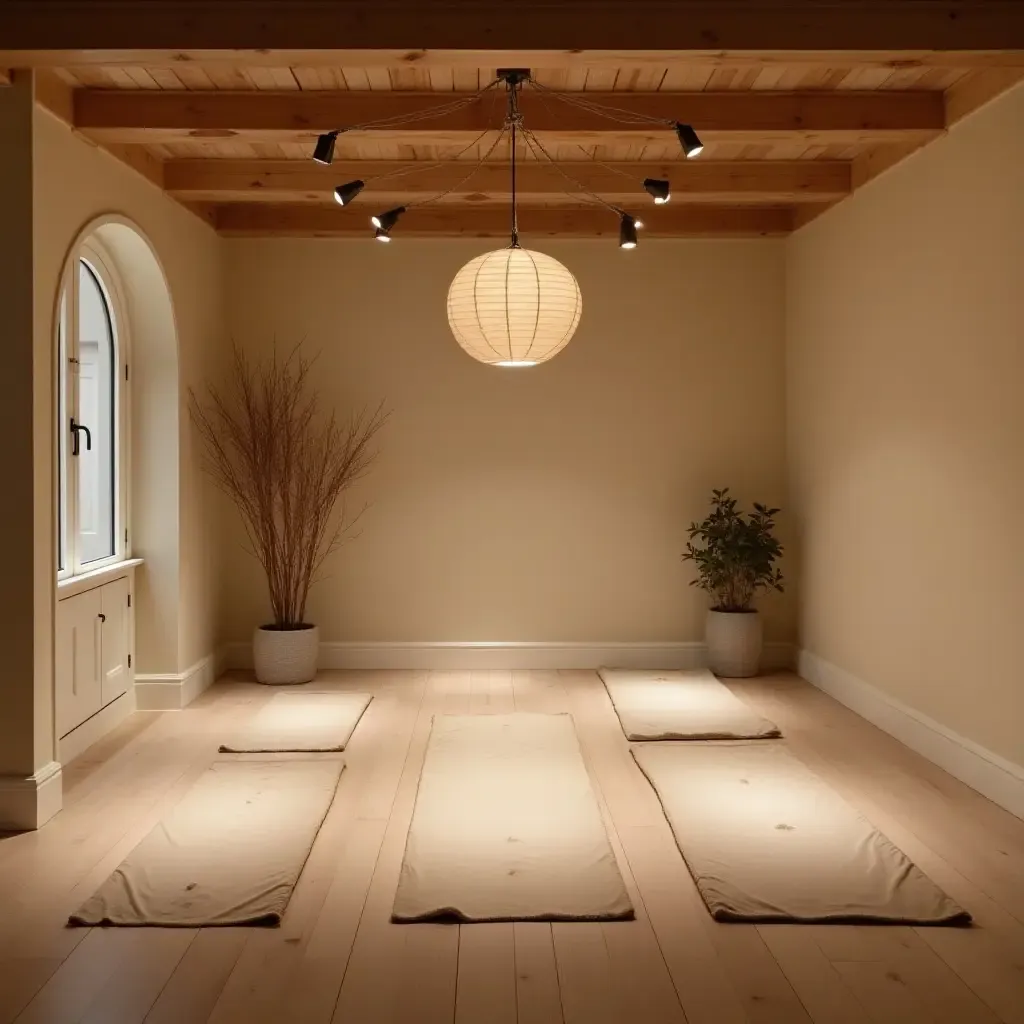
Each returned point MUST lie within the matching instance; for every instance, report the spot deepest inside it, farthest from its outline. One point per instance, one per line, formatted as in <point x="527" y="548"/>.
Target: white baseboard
<point x="454" y="656"/>
<point x="993" y="776"/>
<point x="29" y="802"/>
<point x="92" y="729"/>
<point x="174" y="691"/>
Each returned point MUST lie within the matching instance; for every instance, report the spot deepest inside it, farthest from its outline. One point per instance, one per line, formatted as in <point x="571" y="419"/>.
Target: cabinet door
<point x="77" y="670"/>
<point x="116" y="639"/>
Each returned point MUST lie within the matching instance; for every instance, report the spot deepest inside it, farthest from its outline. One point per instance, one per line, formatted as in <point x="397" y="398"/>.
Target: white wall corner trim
<point x="28" y="803"/>
<point x="174" y="691"/>
<point x="455" y="656"/>
<point x="993" y="776"/>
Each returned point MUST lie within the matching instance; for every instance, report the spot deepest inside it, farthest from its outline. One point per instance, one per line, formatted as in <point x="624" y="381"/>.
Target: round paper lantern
<point x="514" y="307"/>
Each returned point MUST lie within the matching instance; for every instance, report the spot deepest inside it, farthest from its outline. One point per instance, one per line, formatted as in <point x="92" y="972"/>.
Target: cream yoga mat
<point x="766" y="840"/>
<point x="507" y="828"/>
<point x="229" y="854"/>
<point x="674" y="705"/>
<point x="303" y="722"/>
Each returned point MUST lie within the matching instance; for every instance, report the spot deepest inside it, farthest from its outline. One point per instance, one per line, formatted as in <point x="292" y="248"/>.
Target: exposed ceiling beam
<point x="140" y="116"/>
<point x="569" y="25"/>
<point x="552" y="60"/>
<point x="977" y="89"/>
<point x="763" y="181"/>
<point x="699" y="221"/>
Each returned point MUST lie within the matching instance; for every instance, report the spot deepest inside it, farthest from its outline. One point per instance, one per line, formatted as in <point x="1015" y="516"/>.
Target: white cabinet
<point x="77" y="663"/>
<point x="115" y="637"/>
<point x="94" y="641"/>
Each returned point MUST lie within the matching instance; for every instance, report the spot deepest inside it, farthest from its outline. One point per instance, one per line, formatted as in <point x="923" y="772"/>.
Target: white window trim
<point x="105" y="270"/>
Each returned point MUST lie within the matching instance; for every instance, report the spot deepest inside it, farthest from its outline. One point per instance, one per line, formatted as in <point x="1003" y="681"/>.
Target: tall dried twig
<point x="286" y="466"/>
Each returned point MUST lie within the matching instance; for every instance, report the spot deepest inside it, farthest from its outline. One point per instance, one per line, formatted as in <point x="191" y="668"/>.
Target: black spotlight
<point x="688" y="139"/>
<point x="386" y="221"/>
<point x="324" y="152"/>
<point x="627" y="232"/>
<point x="659" y="189"/>
<point x="381" y="235"/>
<point x="344" y="194"/>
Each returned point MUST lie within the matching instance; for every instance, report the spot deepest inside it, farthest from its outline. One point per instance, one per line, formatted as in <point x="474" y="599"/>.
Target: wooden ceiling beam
<point x="140" y="116"/>
<point x="698" y="221"/>
<point x="566" y="25"/>
<point x="763" y="181"/>
<point x="547" y="60"/>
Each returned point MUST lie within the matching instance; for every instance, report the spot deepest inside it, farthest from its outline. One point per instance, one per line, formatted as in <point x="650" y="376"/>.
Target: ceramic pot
<point x="285" y="656"/>
<point x="734" y="643"/>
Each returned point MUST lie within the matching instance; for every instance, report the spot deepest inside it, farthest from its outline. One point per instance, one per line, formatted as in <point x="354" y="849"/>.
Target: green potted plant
<point x="735" y="554"/>
<point x="287" y="465"/>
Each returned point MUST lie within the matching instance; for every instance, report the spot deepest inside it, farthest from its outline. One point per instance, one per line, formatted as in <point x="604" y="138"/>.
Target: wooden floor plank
<point x="144" y="970"/>
<point x="370" y="987"/>
<point x="538" y="1000"/>
<point x="426" y="973"/>
<point x="884" y="993"/>
<point x="199" y="978"/>
<point x="824" y="994"/>
<point x="486" y="989"/>
<point x="584" y="974"/>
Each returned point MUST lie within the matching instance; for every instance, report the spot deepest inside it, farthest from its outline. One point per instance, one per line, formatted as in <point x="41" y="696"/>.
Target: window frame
<point x="103" y="269"/>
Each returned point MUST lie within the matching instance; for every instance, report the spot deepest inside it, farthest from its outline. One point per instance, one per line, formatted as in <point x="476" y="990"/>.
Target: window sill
<point x="95" y="578"/>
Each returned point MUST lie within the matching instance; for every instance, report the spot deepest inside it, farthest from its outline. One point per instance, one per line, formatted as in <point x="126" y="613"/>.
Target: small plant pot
<point x="733" y="643"/>
<point x="285" y="656"/>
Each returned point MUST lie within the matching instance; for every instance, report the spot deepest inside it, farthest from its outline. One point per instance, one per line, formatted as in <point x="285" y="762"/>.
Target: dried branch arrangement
<point x="286" y="465"/>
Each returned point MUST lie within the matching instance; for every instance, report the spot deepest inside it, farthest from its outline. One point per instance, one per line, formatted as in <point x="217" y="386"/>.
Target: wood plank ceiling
<point x="230" y="134"/>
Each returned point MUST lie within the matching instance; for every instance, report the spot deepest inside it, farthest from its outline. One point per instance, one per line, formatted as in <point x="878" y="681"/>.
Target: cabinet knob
<point x="102" y="617"/>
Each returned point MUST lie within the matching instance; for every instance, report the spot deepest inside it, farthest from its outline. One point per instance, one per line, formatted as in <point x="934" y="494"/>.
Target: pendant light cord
<point x="513" y="118"/>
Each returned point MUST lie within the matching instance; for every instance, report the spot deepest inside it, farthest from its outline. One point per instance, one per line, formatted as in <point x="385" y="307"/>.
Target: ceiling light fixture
<point x="513" y="307"/>
<point x="386" y="221"/>
<point x="658" y="189"/>
<point x="324" y="151"/>
<point x="689" y="140"/>
<point x="627" y="231"/>
<point x="344" y="194"/>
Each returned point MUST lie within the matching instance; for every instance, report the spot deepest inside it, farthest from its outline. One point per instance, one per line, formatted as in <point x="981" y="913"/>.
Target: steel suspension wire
<point x="459" y="184"/>
<point x="400" y="120"/>
<point x="591" y="157"/>
<point x="617" y="114"/>
<point x="536" y="145"/>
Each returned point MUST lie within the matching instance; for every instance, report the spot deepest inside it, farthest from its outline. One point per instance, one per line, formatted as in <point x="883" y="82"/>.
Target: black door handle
<point x="75" y="429"/>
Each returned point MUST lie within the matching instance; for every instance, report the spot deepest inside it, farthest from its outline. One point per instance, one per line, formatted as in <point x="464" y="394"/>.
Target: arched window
<point x="92" y="373"/>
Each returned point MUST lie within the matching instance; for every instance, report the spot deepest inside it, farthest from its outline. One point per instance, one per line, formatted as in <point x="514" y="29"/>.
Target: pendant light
<point x="514" y="307"/>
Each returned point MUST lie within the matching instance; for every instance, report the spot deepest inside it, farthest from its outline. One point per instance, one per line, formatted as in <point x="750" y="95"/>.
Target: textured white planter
<point x="283" y="656"/>
<point x="734" y="643"/>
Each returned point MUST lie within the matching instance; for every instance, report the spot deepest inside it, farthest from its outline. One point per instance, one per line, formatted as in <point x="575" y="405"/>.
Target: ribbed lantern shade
<point x="514" y="307"/>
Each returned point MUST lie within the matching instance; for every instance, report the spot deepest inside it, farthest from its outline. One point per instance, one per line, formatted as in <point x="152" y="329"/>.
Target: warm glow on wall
<point x="514" y="307"/>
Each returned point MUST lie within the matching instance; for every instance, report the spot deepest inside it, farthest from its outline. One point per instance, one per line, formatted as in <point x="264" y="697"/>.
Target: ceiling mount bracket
<point x="513" y="76"/>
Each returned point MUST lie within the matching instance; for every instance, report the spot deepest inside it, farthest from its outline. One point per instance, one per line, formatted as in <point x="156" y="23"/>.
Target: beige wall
<point x="547" y="504"/>
<point x="76" y="182"/>
<point x="73" y="184"/>
<point x="24" y="643"/>
<point x="906" y="429"/>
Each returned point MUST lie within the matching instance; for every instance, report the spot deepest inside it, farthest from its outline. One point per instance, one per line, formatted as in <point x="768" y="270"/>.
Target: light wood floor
<point x="337" y="958"/>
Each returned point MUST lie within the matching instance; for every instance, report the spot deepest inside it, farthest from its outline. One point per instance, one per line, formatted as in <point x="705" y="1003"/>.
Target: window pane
<point x="96" y="367"/>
